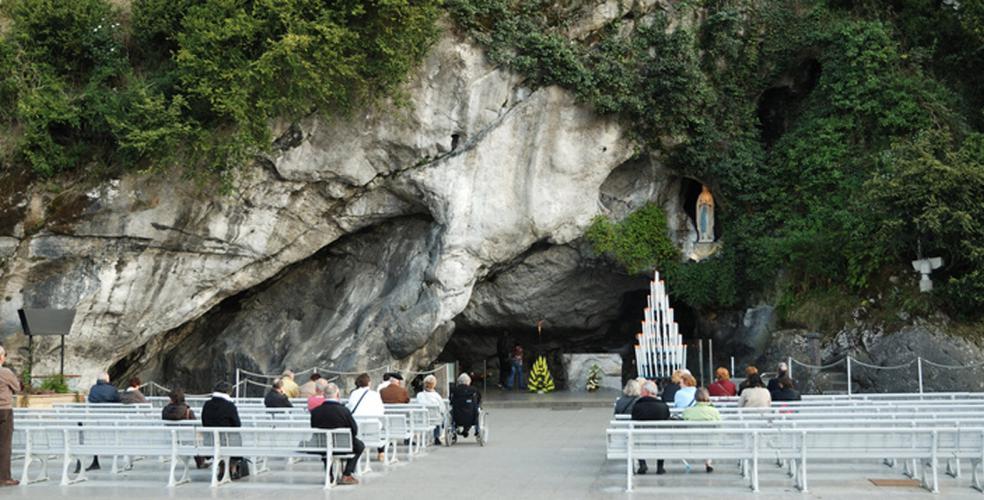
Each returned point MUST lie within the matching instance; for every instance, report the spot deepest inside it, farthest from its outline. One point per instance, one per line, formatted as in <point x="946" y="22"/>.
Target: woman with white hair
<point x="631" y="393"/>
<point x="465" y="402"/>
<point x="430" y="397"/>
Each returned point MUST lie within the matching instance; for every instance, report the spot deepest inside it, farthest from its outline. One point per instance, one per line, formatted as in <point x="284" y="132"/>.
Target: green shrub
<point x="203" y="80"/>
<point x="55" y="384"/>
<point x="640" y="243"/>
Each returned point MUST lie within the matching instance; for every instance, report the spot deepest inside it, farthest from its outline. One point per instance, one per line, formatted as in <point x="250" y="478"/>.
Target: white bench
<point x="180" y="442"/>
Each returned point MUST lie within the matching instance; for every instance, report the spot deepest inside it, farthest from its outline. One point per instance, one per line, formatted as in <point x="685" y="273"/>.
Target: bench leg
<point x="217" y="461"/>
<point x="755" y="474"/>
<point x="628" y="473"/>
<point x="953" y="467"/>
<point x="65" y="480"/>
<point x="975" y="477"/>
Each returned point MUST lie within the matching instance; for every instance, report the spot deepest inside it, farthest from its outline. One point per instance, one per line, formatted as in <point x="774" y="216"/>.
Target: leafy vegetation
<point x="834" y="133"/>
<point x="54" y="384"/>
<point x="191" y="82"/>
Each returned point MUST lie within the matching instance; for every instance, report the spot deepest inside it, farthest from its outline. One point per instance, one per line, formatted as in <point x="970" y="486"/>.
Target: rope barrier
<point x="896" y="367"/>
<point x="818" y="367"/>
<point x="952" y="367"/>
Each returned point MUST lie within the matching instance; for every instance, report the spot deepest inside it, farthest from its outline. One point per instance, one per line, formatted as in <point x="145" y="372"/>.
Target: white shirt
<point x="431" y="398"/>
<point x="371" y="405"/>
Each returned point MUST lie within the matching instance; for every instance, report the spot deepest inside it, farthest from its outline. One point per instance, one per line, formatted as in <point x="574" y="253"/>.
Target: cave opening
<point x="779" y="105"/>
<point x="482" y="350"/>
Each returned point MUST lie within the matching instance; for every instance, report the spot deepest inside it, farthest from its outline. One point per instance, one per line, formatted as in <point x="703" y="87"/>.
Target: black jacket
<point x="275" y="399"/>
<point x="785" y="395"/>
<point x="333" y="415"/>
<point x="669" y="392"/>
<point x="648" y="408"/>
<point x="220" y="412"/>
<point x="465" y="401"/>
<point x="773" y="385"/>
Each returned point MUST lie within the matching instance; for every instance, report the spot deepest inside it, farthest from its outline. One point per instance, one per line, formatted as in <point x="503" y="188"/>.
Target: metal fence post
<point x="732" y="366"/>
<point x="789" y="367"/>
<point x="848" y="375"/>
<point x="700" y="360"/>
<point x="919" y="364"/>
<point x="710" y="360"/>
<point x="237" y="383"/>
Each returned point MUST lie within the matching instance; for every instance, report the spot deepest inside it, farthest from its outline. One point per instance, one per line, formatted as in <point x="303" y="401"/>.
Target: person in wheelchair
<point x="465" y="406"/>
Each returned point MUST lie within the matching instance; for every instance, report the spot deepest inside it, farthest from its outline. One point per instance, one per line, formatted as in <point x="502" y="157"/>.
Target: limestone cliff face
<point x="355" y="245"/>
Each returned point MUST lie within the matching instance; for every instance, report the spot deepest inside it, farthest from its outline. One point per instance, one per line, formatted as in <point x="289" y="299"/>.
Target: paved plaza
<point x="534" y="453"/>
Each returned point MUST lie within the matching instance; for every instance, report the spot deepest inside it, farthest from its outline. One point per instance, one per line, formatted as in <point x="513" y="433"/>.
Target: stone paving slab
<point x="534" y="453"/>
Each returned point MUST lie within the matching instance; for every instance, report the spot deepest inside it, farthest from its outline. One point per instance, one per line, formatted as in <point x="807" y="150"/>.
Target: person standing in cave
<point x="502" y="350"/>
<point x="516" y="368"/>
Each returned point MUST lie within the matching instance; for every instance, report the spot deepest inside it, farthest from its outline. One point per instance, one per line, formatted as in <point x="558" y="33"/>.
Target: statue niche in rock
<point x="705" y="216"/>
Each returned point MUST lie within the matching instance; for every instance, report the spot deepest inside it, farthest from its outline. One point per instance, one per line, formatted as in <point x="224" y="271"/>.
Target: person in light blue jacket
<point x="686" y="396"/>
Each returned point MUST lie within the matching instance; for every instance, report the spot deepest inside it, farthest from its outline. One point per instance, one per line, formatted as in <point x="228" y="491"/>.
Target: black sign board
<point x="46" y="322"/>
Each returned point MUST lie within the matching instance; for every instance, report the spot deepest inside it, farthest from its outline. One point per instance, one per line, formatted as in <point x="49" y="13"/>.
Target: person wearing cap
<point x="386" y="381"/>
<point x="395" y="393"/>
<point x="9" y="385"/>
<point x="291" y="389"/>
<point x="781" y="371"/>
<point x="221" y="411"/>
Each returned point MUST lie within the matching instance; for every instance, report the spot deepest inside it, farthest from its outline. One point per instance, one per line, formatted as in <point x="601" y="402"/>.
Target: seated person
<point x="318" y="398"/>
<point x="755" y="395"/>
<point x="332" y="414"/>
<point x="785" y="391"/>
<point x="132" y="394"/>
<point x="465" y="404"/>
<point x="307" y="388"/>
<point x="178" y="409"/>
<point x="102" y="392"/>
<point x="649" y="407"/>
<point x="276" y="398"/>
<point x="723" y="386"/>
<point x="221" y="411"/>
<point x="394" y="393"/>
<point x="631" y="393"/>
<point x="686" y="395"/>
<point x="430" y="397"/>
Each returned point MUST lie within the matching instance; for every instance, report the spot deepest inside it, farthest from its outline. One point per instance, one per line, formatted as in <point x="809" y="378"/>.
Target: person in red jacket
<point x="723" y="386"/>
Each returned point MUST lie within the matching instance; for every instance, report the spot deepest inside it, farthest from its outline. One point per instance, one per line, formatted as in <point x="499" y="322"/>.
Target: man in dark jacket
<point x="332" y="414"/>
<point x="276" y="397"/>
<point x="102" y="392"/>
<point x="220" y="411"/>
<point x="648" y="407"/>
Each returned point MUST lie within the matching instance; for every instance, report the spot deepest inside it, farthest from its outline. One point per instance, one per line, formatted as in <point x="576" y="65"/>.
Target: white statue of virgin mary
<point x="705" y="216"/>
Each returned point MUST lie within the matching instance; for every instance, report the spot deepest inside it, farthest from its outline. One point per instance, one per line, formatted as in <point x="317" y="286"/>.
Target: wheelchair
<point x="466" y="415"/>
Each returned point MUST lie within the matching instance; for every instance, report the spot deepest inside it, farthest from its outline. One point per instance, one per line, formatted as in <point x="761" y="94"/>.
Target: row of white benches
<point x="924" y="446"/>
<point x="948" y="433"/>
<point x="175" y="443"/>
<point x="411" y="424"/>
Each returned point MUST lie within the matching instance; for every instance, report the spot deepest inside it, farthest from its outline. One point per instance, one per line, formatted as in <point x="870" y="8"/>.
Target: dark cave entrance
<point x="484" y="349"/>
<point x="779" y="105"/>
